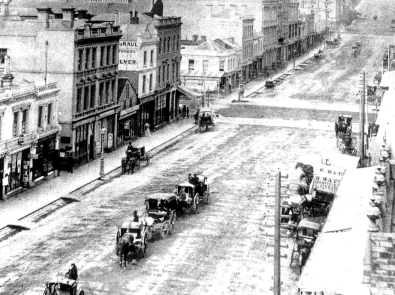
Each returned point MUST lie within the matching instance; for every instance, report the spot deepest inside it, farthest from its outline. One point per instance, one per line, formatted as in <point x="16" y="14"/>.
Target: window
<point x="174" y="43"/>
<point x="3" y="53"/>
<point x="143" y="84"/>
<point x="178" y="42"/>
<point x="102" y="56"/>
<point x="221" y="65"/>
<point x="80" y="52"/>
<point x="109" y="61"/>
<point x="94" y="52"/>
<point x="168" y="44"/>
<point x="101" y="93"/>
<point x="191" y="65"/>
<point x="160" y="46"/>
<point x="127" y="91"/>
<point x="49" y="117"/>
<point x="112" y="90"/>
<point x="86" y="98"/>
<point x="151" y="60"/>
<point x="145" y="58"/>
<point x="163" y="73"/>
<point x="15" y="124"/>
<point x="40" y="116"/>
<point x="167" y="74"/>
<point x="114" y="54"/>
<point x="174" y="71"/>
<point x="150" y="82"/>
<point x="93" y="95"/>
<point x="107" y="91"/>
<point x="177" y="67"/>
<point x="124" y="104"/>
<point x="164" y="45"/>
<point x="87" y="58"/>
<point x="79" y="98"/>
<point x="159" y="75"/>
<point x="24" y="121"/>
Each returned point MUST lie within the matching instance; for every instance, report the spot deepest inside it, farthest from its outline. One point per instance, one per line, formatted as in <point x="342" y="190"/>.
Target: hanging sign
<point x="327" y="178"/>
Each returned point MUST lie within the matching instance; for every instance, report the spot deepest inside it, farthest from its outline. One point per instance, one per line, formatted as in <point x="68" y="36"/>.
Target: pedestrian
<point x="187" y="112"/>
<point x="56" y="163"/>
<point x="179" y="110"/>
<point x="184" y="110"/>
<point x="70" y="164"/>
<point x="135" y="216"/>
<point x="72" y="274"/>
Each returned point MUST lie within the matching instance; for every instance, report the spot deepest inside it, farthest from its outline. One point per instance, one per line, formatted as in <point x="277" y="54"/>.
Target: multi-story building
<point x="29" y="133"/>
<point x="208" y="67"/>
<point x="269" y="28"/>
<point x="82" y="56"/>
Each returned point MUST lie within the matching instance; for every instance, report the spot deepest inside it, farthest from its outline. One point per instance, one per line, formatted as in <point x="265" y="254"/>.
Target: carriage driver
<point x="72" y="273"/>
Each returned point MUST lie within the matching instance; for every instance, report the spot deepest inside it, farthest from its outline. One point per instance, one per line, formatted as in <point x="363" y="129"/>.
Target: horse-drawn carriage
<point x="131" y="237"/>
<point x="201" y="186"/>
<point x="188" y="198"/>
<point x="306" y="235"/>
<point x="133" y="158"/>
<point x="161" y="214"/>
<point x="318" y="55"/>
<point x="206" y="118"/>
<point x="62" y="285"/>
<point x="343" y="129"/>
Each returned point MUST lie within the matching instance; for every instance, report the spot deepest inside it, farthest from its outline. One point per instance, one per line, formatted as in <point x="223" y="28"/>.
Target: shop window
<point x="143" y="84"/>
<point x="24" y="121"/>
<point x="15" y="124"/>
<point x="94" y="53"/>
<point x="93" y="96"/>
<point x="79" y="97"/>
<point x="40" y="116"/>
<point x="150" y="81"/>
<point x="49" y="117"/>
<point x="80" y="54"/>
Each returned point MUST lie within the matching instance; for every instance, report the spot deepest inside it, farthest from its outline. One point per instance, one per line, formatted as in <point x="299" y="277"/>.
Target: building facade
<point x="82" y="56"/>
<point x="29" y="134"/>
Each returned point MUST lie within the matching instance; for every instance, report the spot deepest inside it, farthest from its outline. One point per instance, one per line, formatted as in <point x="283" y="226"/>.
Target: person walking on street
<point x="187" y="112"/>
<point x="184" y="110"/>
<point x="70" y="164"/>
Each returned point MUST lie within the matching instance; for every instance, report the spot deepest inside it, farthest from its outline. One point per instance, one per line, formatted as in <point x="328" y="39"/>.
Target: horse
<point x="124" y="246"/>
<point x="124" y="165"/>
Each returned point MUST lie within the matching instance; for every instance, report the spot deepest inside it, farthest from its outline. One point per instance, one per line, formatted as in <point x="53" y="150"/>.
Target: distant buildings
<point x="29" y="132"/>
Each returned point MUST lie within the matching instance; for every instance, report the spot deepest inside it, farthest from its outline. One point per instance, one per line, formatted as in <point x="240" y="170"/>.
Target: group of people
<point x="184" y="111"/>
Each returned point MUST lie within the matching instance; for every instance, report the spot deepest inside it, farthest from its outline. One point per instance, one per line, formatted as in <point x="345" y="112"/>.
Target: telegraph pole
<point x="277" y="235"/>
<point x="362" y="121"/>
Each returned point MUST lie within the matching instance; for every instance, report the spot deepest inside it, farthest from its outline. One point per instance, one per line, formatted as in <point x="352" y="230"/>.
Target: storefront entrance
<point x="45" y="151"/>
<point x="15" y="177"/>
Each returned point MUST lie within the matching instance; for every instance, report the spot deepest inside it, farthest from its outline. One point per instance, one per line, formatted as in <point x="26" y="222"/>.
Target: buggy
<point x="306" y="235"/>
<point x="269" y="84"/>
<point x="139" y="233"/>
<point x="188" y="197"/>
<point x="62" y="285"/>
<point x="161" y="214"/>
<point x="201" y="187"/>
<point x="206" y="118"/>
<point x="134" y="157"/>
<point x="343" y="130"/>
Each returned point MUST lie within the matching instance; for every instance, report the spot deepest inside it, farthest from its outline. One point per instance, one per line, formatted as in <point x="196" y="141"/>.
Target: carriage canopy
<point x="304" y="223"/>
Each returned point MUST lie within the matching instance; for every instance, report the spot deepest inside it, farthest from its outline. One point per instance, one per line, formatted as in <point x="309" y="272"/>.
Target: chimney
<point x="68" y="15"/>
<point x="7" y="77"/>
<point x="43" y="16"/>
<point x="82" y="14"/>
<point x="134" y="20"/>
<point x="3" y="9"/>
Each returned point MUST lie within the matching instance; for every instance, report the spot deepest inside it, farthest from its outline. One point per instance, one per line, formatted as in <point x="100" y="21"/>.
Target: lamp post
<point x="102" y="132"/>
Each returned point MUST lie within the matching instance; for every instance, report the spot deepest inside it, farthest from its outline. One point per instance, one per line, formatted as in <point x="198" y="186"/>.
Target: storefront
<point x="147" y="109"/>
<point x="162" y="109"/>
<point x="45" y="156"/>
<point x="108" y="123"/>
<point x="81" y="143"/>
<point x="128" y="124"/>
<point x="18" y="167"/>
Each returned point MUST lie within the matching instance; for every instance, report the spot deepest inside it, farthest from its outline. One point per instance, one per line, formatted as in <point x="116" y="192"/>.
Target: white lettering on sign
<point x="128" y="56"/>
<point x="327" y="178"/>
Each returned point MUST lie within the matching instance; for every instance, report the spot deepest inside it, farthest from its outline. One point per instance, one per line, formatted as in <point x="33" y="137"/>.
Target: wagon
<point x="306" y="235"/>
<point x="139" y="232"/>
<point x="206" y="118"/>
<point x="201" y="187"/>
<point x="138" y="155"/>
<point x="188" y="197"/>
<point x="62" y="285"/>
<point x="161" y="214"/>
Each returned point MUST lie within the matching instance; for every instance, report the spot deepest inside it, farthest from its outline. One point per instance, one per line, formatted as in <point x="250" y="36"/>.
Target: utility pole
<point x="277" y="235"/>
<point x="362" y="122"/>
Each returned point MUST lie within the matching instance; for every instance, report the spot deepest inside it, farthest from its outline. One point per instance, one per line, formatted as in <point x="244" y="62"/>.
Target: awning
<point x="335" y="159"/>
<point x="201" y="74"/>
<point x="388" y="80"/>
<point x="188" y="92"/>
<point x="336" y="262"/>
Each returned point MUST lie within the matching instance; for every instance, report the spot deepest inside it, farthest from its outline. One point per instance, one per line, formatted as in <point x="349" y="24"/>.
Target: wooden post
<point x="277" y="233"/>
<point x="362" y="123"/>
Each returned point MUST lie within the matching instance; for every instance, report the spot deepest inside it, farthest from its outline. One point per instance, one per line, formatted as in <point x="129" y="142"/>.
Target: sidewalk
<point x="30" y="200"/>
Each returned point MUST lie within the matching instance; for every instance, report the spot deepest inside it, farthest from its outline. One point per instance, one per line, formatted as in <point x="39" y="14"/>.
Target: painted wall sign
<point x="128" y="55"/>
